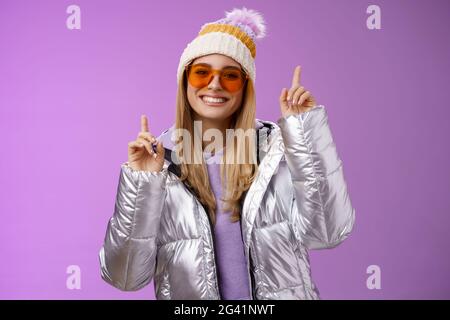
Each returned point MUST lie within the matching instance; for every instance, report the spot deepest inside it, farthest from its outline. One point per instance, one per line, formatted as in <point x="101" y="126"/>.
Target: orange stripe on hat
<point x="234" y="31"/>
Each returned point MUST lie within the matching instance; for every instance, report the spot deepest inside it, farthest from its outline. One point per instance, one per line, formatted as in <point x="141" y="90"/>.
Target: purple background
<point x="70" y="101"/>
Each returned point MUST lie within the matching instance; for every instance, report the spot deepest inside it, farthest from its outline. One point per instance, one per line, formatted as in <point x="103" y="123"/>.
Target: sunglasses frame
<point x="186" y="69"/>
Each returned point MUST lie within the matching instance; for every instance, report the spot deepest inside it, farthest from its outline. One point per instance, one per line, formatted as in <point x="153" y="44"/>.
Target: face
<point x="196" y="96"/>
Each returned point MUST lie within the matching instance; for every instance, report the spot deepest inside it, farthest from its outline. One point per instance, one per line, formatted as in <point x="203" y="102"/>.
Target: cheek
<point x="191" y="94"/>
<point x="238" y="99"/>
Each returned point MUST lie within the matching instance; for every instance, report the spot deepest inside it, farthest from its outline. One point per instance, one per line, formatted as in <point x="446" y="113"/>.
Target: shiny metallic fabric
<point x="298" y="201"/>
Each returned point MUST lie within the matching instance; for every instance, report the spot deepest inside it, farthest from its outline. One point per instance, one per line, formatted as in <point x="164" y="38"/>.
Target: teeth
<point x="213" y="100"/>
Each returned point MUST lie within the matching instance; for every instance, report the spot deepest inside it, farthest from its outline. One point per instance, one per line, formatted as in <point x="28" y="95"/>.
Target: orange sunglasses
<point x="200" y="75"/>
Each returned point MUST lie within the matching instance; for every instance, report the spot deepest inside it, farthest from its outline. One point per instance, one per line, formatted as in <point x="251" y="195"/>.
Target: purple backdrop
<point x="70" y="101"/>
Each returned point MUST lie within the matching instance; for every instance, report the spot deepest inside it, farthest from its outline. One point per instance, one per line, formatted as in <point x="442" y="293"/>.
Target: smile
<point x="211" y="101"/>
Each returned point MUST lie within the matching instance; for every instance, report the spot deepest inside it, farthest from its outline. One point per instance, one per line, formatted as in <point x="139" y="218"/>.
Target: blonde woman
<point x="203" y="225"/>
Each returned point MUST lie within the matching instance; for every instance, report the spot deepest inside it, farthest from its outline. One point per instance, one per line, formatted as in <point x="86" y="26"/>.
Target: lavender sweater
<point x="232" y="265"/>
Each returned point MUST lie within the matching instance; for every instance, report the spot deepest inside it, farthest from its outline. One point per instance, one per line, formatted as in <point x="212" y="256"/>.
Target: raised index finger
<point x="296" y="77"/>
<point x="144" y="123"/>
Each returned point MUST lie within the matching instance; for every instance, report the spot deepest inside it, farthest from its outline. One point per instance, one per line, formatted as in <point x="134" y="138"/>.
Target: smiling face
<point x="210" y="109"/>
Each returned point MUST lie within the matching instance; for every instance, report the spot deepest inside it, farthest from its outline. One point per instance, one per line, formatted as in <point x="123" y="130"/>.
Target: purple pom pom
<point x="248" y="18"/>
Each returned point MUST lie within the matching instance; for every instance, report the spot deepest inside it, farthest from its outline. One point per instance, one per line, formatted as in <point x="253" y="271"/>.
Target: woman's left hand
<point x="297" y="99"/>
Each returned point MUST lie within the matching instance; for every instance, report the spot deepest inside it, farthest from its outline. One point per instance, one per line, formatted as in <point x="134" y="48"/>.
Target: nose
<point x="215" y="82"/>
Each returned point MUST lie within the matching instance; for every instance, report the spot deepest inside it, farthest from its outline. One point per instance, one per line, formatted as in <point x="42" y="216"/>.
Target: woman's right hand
<point x="140" y="152"/>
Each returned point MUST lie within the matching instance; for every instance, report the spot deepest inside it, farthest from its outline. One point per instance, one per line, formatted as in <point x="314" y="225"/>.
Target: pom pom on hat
<point x="250" y="21"/>
<point x="249" y="18"/>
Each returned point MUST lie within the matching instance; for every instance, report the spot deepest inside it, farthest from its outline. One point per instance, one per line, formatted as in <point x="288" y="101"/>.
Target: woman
<point x="205" y="226"/>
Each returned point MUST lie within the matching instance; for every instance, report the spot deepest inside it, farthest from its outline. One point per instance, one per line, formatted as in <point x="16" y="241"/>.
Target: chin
<point x="213" y="112"/>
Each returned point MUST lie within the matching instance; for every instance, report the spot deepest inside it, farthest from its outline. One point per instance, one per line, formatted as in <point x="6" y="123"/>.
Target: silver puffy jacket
<point x="299" y="201"/>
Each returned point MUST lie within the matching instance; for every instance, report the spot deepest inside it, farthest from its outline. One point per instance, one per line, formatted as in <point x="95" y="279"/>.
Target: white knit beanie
<point x="233" y="36"/>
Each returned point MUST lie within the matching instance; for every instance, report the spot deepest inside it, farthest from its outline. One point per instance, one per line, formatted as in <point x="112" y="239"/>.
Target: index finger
<point x="144" y="123"/>
<point x="296" y="77"/>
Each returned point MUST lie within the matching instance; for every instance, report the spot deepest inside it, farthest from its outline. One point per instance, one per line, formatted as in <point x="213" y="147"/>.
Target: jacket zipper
<point x="248" y="263"/>
<point x="212" y="236"/>
<point x="249" y="273"/>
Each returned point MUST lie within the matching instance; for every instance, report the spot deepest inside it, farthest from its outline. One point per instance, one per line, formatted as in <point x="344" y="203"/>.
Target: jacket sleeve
<point x="127" y="257"/>
<point x="322" y="205"/>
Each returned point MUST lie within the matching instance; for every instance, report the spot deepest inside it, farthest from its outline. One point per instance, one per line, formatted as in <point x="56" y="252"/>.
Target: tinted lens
<point x="199" y="75"/>
<point x="232" y="80"/>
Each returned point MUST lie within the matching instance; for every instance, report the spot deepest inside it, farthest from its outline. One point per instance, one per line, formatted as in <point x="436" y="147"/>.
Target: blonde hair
<point x="236" y="178"/>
